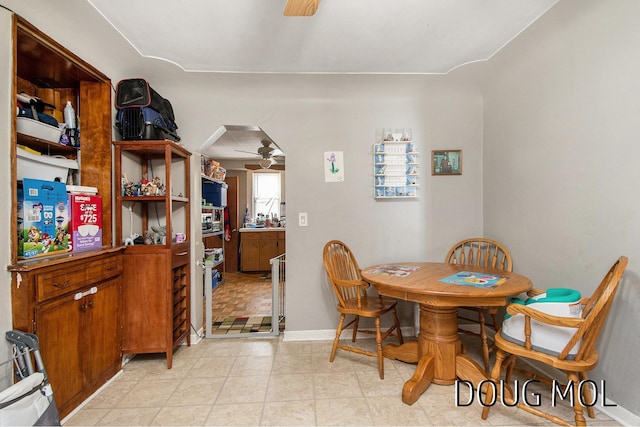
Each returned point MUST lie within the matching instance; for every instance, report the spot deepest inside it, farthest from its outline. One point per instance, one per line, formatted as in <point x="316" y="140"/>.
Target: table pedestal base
<point x="437" y="353"/>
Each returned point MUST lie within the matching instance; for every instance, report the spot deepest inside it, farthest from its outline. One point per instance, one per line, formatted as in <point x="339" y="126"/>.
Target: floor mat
<point x="243" y="325"/>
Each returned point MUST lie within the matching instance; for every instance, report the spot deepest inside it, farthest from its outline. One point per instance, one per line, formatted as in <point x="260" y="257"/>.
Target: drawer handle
<point x="111" y="268"/>
<point x="61" y="285"/>
<point x="182" y="254"/>
<point x="81" y="295"/>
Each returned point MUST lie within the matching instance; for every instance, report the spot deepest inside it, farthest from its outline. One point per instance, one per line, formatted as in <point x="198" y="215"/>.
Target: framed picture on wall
<point x="446" y="162"/>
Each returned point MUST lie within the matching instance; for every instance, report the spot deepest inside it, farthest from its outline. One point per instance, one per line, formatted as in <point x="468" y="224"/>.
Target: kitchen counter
<point x="247" y="229"/>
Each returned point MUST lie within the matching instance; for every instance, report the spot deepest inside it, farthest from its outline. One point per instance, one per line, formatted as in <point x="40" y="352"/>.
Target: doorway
<point x="242" y="302"/>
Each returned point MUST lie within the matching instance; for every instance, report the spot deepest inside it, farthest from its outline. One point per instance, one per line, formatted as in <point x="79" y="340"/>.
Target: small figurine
<point x="159" y="235"/>
<point x="159" y="187"/>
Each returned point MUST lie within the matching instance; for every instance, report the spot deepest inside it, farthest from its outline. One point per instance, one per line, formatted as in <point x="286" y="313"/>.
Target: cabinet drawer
<point x="180" y="257"/>
<point x="59" y="282"/>
<point x="251" y="236"/>
<point x="269" y="235"/>
<point x="100" y="270"/>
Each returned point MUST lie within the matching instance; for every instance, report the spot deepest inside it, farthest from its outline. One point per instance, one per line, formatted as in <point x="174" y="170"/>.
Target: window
<point x="266" y="193"/>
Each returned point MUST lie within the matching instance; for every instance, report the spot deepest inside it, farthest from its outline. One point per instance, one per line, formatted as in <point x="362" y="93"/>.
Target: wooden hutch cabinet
<point x="70" y="300"/>
<point x="156" y="290"/>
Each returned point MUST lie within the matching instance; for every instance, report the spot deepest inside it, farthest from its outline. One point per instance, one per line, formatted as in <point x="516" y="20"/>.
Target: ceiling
<point x="239" y="142"/>
<point x="343" y="36"/>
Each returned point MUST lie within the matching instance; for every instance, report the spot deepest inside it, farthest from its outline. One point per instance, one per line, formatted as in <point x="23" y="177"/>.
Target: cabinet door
<point x="146" y="290"/>
<point x="281" y="243"/>
<point x="59" y="332"/>
<point x="268" y="250"/>
<point x="251" y="255"/>
<point x="102" y="345"/>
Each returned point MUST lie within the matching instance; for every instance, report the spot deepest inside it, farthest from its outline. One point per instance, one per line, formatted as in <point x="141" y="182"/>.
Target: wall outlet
<point x="302" y="219"/>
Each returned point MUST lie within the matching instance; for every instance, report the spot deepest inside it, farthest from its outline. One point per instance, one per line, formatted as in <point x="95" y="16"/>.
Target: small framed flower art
<point x="446" y="162"/>
<point x="333" y="166"/>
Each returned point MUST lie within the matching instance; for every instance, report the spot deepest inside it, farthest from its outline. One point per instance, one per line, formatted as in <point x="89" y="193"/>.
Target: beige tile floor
<point x="267" y="382"/>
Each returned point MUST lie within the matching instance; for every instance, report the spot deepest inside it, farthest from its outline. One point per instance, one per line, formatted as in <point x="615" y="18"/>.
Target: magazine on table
<point x="394" y="270"/>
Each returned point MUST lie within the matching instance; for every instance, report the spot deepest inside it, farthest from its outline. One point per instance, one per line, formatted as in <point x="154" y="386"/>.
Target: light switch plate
<point x="302" y="219"/>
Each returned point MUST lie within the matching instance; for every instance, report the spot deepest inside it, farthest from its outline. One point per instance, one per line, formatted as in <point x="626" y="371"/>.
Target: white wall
<point x="307" y="115"/>
<point x="561" y="150"/>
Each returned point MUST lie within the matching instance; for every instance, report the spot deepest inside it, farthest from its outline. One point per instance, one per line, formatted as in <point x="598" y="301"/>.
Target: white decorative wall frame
<point x="395" y="169"/>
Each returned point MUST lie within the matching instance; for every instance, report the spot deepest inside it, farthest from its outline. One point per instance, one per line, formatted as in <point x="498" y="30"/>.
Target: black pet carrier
<point x="143" y="113"/>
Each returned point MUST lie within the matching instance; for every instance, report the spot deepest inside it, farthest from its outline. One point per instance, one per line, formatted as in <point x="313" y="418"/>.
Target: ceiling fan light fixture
<point x="265" y="163"/>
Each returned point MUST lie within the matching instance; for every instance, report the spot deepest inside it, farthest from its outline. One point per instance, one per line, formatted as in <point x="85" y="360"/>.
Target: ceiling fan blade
<point x="248" y="152"/>
<point x="301" y="7"/>
<point x="258" y="167"/>
<point x="265" y="151"/>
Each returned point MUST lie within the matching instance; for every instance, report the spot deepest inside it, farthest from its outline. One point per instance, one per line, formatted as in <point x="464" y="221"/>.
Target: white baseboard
<point x="618" y="413"/>
<point x="88" y="399"/>
<point x="317" y="335"/>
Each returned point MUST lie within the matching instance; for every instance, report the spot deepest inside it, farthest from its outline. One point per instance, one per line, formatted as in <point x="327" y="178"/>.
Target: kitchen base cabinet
<point x="250" y="252"/>
<point x="268" y="250"/>
<point x="258" y="247"/>
<point x="61" y="321"/>
<point x="72" y="303"/>
<point x="156" y="299"/>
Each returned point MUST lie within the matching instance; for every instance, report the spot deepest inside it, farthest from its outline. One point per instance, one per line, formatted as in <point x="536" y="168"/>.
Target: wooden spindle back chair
<point x="351" y="290"/>
<point x="588" y="328"/>
<point x="482" y="253"/>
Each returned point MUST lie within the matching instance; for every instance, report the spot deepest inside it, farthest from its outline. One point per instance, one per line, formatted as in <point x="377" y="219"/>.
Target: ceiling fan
<point x="267" y="154"/>
<point x="301" y="7"/>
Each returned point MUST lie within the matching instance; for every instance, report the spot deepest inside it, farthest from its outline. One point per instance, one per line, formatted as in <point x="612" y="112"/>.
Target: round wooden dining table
<point x="438" y="350"/>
